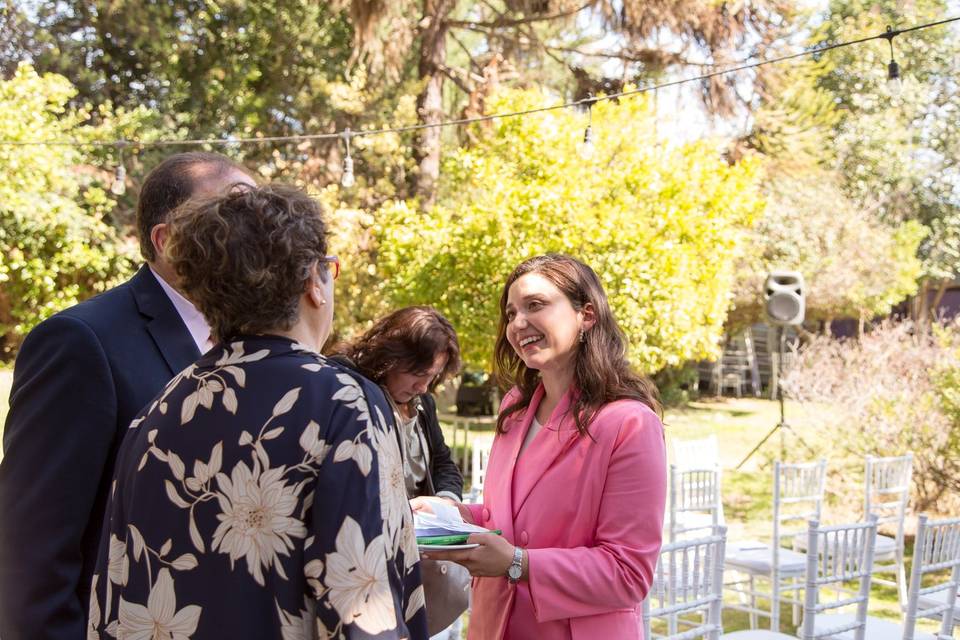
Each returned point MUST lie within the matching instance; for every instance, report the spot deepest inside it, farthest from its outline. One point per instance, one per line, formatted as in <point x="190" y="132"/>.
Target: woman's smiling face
<point x="542" y="326"/>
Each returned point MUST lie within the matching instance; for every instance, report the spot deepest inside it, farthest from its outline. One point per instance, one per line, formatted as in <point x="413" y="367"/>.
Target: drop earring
<point x="583" y="336"/>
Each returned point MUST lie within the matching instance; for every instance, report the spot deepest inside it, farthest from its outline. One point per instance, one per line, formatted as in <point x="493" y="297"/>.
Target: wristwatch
<point x="516" y="567"/>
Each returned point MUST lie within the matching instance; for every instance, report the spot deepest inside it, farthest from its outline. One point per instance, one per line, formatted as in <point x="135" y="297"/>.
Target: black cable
<point x="886" y="35"/>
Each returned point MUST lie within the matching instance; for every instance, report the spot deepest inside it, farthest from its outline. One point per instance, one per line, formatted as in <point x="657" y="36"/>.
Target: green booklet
<point x="444" y="526"/>
<point x="456" y="538"/>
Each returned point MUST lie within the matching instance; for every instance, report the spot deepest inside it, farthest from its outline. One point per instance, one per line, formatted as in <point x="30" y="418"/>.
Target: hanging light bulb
<point x="347" y="179"/>
<point x="588" y="147"/>
<point x="119" y="185"/>
<point x="894" y="79"/>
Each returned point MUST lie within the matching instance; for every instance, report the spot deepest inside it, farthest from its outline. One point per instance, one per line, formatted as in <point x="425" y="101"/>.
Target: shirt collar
<point x="196" y="324"/>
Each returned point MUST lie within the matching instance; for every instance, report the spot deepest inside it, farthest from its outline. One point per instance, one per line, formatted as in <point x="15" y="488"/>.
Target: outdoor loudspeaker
<point x="783" y="297"/>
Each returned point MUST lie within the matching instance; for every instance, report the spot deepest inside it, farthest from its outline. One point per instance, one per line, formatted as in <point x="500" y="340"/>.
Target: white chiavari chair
<point x="798" y="491"/>
<point x="701" y="453"/>
<point x="687" y="589"/>
<point x="480" y="454"/>
<point x="887" y="494"/>
<point x="937" y="550"/>
<point x="694" y="505"/>
<point x="837" y="556"/>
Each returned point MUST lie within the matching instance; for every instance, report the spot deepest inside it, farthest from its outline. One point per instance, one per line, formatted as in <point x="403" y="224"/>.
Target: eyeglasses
<point x="334" y="267"/>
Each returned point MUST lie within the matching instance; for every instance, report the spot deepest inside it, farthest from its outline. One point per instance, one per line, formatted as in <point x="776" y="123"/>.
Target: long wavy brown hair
<point x="602" y="372"/>
<point x="407" y="340"/>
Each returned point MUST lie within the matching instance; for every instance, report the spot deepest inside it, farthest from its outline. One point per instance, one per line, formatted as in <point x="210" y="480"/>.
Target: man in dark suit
<point x="80" y="377"/>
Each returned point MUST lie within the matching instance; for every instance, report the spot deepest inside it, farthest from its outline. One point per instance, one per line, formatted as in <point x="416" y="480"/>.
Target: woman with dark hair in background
<point x="259" y="495"/>
<point x="408" y="353"/>
<point x="577" y="474"/>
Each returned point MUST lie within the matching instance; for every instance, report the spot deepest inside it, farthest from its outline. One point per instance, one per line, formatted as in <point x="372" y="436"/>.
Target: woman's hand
<point x="491" y="559"/>
<point x="423" y="504"/>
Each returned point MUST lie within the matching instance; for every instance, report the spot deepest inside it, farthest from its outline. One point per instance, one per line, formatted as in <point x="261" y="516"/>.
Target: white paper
<point x="445" y="520"/>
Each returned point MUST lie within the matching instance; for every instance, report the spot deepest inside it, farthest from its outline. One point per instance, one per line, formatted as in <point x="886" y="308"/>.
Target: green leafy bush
<point x="661" y="223"/>
<point x="56" y="247"/>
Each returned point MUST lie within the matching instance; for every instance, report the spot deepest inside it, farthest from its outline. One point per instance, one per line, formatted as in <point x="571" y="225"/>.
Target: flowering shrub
<point x="894" y="391"/>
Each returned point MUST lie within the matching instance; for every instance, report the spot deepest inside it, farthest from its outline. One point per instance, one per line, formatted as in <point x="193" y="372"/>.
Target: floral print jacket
<point x="260" y="495"/>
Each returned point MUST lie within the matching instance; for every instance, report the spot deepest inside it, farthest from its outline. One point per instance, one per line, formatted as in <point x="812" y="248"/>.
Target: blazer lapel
<point x="165" y="326"/>
<point x="499" y="485"/>
<point x="554" y="439"/>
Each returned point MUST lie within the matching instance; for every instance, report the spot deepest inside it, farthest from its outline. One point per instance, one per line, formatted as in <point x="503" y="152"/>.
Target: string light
<point x="119" y="185"/>
<point x="894" y="81"/>
<point x="893" y="74"/>
<point x="588" y="146"/>
<point x="347" y="179"/>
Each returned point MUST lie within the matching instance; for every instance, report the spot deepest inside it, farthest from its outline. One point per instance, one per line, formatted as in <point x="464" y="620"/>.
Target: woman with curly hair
<point x="577" y="474"/>
<point x="260" y="494"/>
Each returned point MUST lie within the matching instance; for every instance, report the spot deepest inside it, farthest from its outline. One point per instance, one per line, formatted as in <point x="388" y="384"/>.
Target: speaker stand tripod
<point x="782" y="427"/>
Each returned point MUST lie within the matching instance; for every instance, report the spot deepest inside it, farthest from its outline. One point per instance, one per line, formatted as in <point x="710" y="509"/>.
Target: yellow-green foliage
<point x="661" y="224"/>
<point x="54" y="246"/>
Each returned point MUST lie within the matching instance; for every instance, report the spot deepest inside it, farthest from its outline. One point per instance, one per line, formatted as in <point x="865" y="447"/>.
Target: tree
<point x="556" y="43"/>
<point x="899" y="156"/>
<point x="661" y="224"/>
<point x="862" y="190"/>
<point x="16" y="37"/>
<point x="56" y="247"/>
<point x="222" y="70"/>
<point x="276" y="68"/>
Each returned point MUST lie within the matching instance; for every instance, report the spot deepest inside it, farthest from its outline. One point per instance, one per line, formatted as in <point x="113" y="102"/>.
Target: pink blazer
<point x="589" y="513"/>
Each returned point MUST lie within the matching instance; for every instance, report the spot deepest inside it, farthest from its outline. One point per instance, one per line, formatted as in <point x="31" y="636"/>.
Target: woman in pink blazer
<point x="577" y="474"/>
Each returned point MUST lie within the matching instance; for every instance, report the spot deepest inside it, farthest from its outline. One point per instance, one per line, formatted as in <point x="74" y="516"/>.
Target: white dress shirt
<point x="196" y="323"/>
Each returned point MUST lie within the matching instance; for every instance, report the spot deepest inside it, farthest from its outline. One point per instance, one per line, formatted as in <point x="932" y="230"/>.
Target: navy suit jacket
<point x="80" y="377"/>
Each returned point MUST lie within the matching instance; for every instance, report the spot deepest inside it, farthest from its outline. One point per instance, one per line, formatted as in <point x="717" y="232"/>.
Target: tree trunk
<point x="433" y="54"/>
<point x="916" y="303"/>
<point x="938" y="298"/>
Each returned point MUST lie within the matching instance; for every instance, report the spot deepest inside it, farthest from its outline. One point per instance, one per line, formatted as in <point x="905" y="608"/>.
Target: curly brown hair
<point x="244" y="258"/>
<point x="407" y="340"/>
<point x="601" y="370"/>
